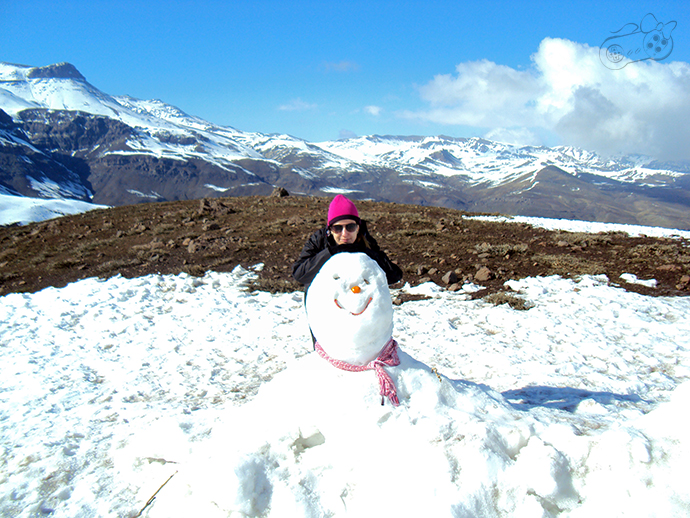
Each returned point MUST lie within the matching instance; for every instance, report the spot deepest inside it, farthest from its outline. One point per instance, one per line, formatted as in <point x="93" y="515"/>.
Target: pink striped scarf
<point x="387" y="356"/>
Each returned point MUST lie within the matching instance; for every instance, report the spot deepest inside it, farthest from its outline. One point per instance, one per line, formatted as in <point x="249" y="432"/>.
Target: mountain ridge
<point x="126" y="151"/>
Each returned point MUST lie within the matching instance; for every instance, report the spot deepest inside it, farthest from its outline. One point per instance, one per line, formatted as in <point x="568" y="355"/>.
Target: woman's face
<point x="341" y="234"/>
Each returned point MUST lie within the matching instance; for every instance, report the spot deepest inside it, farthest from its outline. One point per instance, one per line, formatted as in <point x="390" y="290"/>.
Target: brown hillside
<point x="220" y="233"/>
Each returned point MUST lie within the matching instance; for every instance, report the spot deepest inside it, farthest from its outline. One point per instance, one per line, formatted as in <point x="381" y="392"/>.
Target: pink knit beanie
<point x="342" y="208"/>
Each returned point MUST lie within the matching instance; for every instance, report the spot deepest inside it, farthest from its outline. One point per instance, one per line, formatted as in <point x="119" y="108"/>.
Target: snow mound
<point x="209" y="397"/>
<point x="318" y="442"/>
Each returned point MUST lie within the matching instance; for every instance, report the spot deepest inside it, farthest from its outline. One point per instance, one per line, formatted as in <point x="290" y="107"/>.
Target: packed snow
<point x="165" y="396"/>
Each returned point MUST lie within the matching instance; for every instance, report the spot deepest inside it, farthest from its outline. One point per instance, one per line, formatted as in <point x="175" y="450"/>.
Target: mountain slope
<point x="26" y="170"/>
<point x="76" y="141"/>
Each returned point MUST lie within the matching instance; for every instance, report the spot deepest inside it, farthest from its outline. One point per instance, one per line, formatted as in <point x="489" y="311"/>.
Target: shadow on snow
<point x="562" y="398"/>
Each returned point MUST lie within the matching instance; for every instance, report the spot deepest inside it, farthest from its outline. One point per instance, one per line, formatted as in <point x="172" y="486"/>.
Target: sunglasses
<point x="338" y="229"/>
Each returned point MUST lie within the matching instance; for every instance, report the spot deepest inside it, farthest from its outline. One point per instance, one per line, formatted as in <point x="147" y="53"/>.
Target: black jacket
<point x="321" y="247"/>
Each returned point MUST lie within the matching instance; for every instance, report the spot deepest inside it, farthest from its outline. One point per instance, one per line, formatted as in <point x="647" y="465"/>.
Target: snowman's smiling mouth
<point x="355" y="314"/>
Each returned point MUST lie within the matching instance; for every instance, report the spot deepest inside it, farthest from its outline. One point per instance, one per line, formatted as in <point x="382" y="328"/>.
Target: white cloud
<point x="373" y="110"/>
<point x="642" y="108"/>
<point x="297" y="105"/>
<point x="517" y="136"/>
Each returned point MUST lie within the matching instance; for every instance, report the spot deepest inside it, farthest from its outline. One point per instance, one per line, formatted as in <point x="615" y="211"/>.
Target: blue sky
<point x="321" y="70"/>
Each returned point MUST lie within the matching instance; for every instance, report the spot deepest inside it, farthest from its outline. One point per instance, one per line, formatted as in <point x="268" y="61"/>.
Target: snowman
<point x="350" y="313"/>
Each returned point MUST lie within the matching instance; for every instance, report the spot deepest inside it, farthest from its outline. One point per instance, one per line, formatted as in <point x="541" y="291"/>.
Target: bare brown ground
<point x="426" y="242"/>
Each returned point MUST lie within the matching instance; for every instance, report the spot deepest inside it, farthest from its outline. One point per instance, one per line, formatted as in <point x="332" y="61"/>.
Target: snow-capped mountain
<point x="62" y="137"/>
<point x="482" y="161"/>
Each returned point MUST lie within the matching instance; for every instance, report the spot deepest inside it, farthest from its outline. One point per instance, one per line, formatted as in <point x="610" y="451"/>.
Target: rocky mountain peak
<point x="56" y="71"/>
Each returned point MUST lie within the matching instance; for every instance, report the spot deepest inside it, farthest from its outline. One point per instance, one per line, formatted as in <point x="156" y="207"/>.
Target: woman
<point x="345" y="232"/>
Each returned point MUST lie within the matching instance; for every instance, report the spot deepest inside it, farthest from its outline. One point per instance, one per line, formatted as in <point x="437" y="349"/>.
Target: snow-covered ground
<point x="25" y="210"/>
<point x="591" y="227"/>
<point x="210" y="398"/>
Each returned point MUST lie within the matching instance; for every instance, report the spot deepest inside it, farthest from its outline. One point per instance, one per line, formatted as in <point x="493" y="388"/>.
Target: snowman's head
<point x="349" y="308"/>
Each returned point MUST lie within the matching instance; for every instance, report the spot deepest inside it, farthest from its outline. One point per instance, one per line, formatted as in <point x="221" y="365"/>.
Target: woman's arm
<point x="313" y="256"/>
<point x="392" y="270"/>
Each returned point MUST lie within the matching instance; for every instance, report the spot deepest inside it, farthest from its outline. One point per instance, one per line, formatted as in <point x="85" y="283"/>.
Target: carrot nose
<point x="356" y="289"/>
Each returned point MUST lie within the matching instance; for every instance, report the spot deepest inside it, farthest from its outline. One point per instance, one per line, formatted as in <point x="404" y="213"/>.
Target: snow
<point x="337" y="190"/>
<point x="591" y="227"/>
<point x="209" y="397"/>
<point x="216" y="188"/>
<point x="481" y="161"/>
<point x="24" y="210"/>
<point x="632" y="279"/>
<point x="12" y="103"/>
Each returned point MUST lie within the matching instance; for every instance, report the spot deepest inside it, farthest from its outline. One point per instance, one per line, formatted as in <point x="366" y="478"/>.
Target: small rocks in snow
<point x="450" y="278"/>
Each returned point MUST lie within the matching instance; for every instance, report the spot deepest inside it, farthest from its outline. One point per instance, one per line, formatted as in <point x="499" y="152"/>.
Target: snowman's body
<point x="349" y="308"/>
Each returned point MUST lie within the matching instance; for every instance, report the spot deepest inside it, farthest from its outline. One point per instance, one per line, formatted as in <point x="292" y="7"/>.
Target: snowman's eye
<point x="366" y="281"/>
<point x="336" y="276"/>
